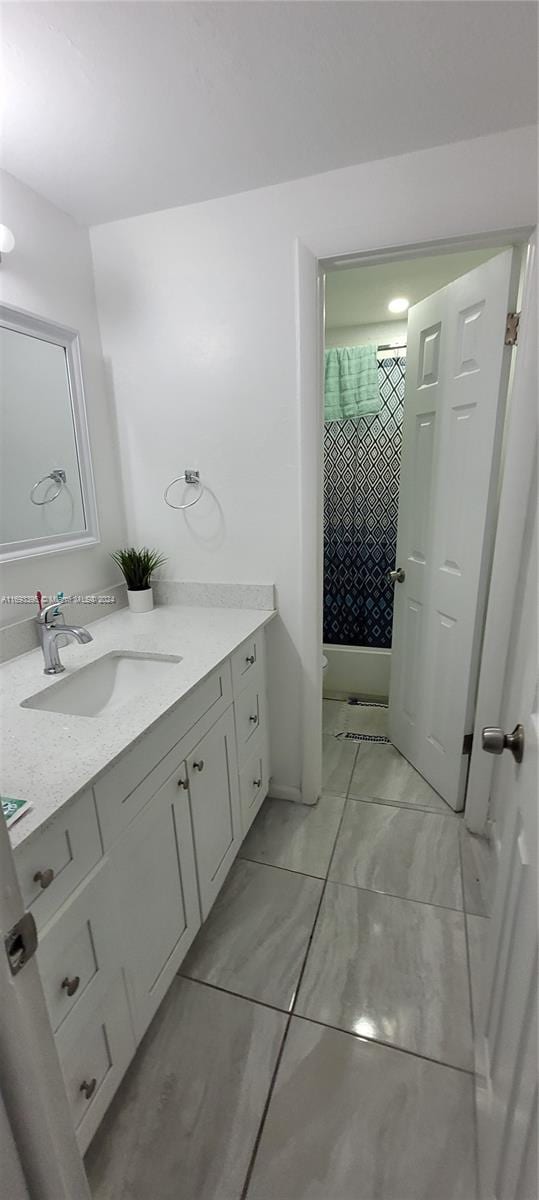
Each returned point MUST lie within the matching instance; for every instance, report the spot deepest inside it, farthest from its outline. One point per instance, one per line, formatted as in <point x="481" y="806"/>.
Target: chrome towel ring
<point x="57" y="476"/>
<point x="189" y="477"/>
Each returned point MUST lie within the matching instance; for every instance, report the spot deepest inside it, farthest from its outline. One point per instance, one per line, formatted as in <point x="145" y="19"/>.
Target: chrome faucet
<point x="50" y="632"/>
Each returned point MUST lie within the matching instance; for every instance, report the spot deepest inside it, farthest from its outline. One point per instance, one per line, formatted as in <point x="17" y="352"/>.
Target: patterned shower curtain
<point x="361" y="498"/>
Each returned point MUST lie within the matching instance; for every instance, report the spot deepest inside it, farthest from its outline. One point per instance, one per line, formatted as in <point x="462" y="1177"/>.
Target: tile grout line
<point x="357" y="1037"/>
<point x="258" y="1138"/>
<point x="289" y="1021"/>
<point x="435" y="812"/>
<point x="360" y="887"/>
<point x="472" y="1015"/>
<point x="354" y="764"/>
<point x="261" y="862"/>
<point x="404" y="806"/>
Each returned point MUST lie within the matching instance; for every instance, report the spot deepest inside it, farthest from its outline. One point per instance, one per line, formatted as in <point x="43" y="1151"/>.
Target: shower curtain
<point x="361" y="497"/>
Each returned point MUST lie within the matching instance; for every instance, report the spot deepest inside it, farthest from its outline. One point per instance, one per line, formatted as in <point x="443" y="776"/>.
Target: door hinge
<point x="511" y="329"/>
<point x="467" y="743"/>
<point x="21" y="943"/>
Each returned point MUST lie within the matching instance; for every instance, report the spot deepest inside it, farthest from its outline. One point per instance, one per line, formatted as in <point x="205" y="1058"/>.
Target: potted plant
<point x="137" y="567"/>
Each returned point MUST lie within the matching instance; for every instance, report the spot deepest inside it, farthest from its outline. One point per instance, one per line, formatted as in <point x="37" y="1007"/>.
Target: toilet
<point x="324" y="663"/>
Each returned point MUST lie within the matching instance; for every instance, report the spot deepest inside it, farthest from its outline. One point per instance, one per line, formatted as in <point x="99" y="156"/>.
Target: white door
<point x="506" y="1037"/>
<point x="456" y="378"/>
<point x="35" y="1121"/>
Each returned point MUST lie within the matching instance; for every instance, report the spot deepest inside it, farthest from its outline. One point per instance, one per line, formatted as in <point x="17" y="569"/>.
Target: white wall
<point x="49" y="273"/>
<point x="361" y="335"/>
<point x="198" y="317"/>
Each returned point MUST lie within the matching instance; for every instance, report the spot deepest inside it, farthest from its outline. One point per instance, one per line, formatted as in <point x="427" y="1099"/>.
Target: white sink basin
<point x="105" y="684"/>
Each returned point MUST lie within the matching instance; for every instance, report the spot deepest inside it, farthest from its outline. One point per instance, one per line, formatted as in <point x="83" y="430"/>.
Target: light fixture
<point x="399" y="304"/>
<point x="7" y="240"/>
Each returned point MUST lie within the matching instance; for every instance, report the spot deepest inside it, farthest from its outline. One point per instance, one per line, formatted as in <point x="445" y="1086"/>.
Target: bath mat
<point x="364" y="737"/>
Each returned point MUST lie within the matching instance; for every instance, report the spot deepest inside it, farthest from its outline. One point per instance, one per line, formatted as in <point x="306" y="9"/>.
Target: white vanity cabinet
<point x="250" y="703"/>
<point x="156" y="908"/>
<point x="212" y="772"/>
<point x="122" y="878"/>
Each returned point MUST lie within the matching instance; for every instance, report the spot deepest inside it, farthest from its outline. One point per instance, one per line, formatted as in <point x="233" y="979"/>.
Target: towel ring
<point x="58" y="477"/>
<point x="190" y="477"/>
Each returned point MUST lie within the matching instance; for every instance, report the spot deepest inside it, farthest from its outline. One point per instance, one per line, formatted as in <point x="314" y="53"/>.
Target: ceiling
<point x="360" y="295"/>
<point x="118" y="108"/>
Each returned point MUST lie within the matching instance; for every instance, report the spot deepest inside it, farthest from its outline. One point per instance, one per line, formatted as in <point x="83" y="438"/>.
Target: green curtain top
<point x="351" y="383"/>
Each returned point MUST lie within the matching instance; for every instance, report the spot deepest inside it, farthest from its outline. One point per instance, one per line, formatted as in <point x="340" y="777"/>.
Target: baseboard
<point x="281" y="792"/>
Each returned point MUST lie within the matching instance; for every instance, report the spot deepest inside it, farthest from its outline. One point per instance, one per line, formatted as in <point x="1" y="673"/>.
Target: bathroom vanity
<point x="143" y="809"/>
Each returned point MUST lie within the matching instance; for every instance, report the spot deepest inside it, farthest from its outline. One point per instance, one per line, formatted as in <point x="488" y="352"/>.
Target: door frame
<point x="313" y="258"/>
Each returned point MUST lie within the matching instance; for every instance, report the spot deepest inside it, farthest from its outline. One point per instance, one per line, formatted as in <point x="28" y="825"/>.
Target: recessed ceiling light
<point x="7" y="241"/>
<point x="399" y="304"/>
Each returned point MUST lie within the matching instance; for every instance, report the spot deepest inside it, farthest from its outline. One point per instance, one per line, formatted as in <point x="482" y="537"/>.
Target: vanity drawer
<point x="125" y="789"/>
<point x="94" y="1057"/>
<point x="53" y="863"/>
<point x="254" y="781"/>
<point x="250" y="716"/>
<point x="76" y="951"/>
<point x="247" y="660"/>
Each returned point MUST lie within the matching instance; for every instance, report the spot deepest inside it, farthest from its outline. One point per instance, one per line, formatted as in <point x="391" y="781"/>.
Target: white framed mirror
<point x="47" y="493"/>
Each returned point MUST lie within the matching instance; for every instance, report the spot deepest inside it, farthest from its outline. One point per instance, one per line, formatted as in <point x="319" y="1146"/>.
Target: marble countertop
<point x="48" y="757"/>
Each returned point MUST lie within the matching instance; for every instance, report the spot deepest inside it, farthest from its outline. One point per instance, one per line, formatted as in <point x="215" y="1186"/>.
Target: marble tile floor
<point x="317" y="1044"/>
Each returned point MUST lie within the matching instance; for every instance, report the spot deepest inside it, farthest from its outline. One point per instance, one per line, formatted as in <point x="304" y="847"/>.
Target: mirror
<point x="47" y="497"/>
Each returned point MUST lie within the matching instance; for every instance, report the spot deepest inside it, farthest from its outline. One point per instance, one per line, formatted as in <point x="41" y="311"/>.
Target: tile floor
<point x="317" y="1044"/>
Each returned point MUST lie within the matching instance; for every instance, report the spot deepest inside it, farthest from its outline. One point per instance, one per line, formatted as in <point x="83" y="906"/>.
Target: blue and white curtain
<point x="361" y="499"/>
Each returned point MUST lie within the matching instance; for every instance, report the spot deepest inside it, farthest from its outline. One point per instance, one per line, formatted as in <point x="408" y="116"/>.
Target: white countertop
<point x="48" y="757"/>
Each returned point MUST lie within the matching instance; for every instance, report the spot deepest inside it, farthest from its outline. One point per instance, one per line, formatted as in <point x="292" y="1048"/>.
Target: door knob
<point x="44" y="878"/>
<point x="397" y="576"/>
<point x="198" y="766"/>
<point x="495" y="741"/>
<point x="71" y="985"/>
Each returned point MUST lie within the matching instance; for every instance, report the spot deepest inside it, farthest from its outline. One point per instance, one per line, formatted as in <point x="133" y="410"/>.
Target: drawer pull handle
<point x="184" y="783"/>
<point x="198" y="766"/>
<point x="256" y="783"/>
<point x="254" y="720"/>
<point x="250" y="659"/>
<point x="71" y="985"/>
<point x="88" y="1088"/>
<point x="44" y="878"/>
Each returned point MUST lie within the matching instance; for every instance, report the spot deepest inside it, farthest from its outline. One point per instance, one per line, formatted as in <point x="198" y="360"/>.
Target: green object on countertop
<point x="13" y="809"/>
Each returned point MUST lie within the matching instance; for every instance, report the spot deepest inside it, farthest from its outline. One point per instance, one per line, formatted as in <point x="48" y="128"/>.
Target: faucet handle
<point x="43" y="615"/>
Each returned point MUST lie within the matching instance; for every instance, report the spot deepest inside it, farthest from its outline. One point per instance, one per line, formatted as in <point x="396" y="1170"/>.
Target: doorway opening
<point x="416" y="380"/>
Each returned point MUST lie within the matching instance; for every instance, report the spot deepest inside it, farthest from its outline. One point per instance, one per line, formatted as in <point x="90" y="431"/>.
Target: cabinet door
<point x="157" y="905"/>
<point x="215" y="808"/>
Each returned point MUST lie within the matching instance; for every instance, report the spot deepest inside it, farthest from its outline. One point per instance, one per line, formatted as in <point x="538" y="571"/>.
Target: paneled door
<point x="506" y="1033"/>
<point x="456" y="381"/>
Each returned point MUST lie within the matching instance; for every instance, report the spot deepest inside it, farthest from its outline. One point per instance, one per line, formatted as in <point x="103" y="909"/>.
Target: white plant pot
<point x="140" y="602"/>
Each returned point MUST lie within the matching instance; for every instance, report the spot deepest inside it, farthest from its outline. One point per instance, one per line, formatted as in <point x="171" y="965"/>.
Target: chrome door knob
<point x="495" y="741"/>
<point x="397" y="576"/>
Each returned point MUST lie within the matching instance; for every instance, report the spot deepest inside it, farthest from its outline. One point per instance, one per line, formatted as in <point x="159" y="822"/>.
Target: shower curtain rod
<point x="401" y="346"/>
